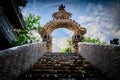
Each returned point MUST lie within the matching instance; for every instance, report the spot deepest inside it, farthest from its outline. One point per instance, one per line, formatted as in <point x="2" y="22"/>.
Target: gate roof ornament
<point x="62" y="13"/>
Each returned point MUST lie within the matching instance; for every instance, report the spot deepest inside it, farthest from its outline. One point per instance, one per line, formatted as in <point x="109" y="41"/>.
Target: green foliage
<point x="68" y="48"/>
<point x="92" y="40"/>
<point x="25" y="35"/>
<point x="85" y="39"/>
<point x="32" y="22"/>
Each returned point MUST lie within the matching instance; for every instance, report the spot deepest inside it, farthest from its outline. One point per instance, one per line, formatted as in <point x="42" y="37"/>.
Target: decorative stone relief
<point x="61" y="19"/>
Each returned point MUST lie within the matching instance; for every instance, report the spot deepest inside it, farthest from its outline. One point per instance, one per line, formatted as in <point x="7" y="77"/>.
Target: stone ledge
<point x="105" y="57"/>
<point x="16" y="60"/>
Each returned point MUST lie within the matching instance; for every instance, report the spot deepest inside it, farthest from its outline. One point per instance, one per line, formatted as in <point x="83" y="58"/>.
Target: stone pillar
<point x="74" y="44"/>
<point x="49" y="44"/>
<point x="75" y="47"/>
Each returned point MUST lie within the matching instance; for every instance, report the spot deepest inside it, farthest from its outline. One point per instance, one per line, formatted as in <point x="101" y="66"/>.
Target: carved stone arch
<point x="61" y="24"/>
<point x="61" y="20"/>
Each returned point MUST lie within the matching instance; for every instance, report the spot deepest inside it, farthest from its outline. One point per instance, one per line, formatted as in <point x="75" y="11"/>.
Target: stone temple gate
<point x="61" y="19"/>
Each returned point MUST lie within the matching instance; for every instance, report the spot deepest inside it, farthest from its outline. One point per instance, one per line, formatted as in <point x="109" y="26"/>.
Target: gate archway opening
<point x="61" y="19"/>
<point x="61" y="39"/>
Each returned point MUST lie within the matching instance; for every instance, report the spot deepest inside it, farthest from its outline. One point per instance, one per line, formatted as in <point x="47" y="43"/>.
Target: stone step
<point x="59" y="65"/>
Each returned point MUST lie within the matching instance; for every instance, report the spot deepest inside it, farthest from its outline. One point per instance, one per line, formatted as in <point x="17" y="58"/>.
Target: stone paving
<point x="63" y="66"/>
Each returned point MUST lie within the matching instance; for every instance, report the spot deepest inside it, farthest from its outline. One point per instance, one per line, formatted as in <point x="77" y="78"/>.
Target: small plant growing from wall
<point x="26" y="35"/>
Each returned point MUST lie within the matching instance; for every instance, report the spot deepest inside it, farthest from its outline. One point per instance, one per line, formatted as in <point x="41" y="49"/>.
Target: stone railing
<point x="15" y="61"/>
<point x="104" y="57"/>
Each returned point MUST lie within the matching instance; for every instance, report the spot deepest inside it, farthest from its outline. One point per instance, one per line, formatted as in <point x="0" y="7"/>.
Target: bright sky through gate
<point x="59" y="41"/>
<point x="99" y="17"/>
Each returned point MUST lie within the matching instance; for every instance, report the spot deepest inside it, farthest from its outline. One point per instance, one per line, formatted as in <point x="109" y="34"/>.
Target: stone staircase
<point x="63" y="66"/>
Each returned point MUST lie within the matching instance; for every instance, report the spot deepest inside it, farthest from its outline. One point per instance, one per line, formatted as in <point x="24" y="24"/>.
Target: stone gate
<point x="61" y="19"/>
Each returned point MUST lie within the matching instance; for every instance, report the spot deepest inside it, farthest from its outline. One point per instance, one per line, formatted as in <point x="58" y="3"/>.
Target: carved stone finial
<point x="61" y="14"/>
<point x="61" y="7"/>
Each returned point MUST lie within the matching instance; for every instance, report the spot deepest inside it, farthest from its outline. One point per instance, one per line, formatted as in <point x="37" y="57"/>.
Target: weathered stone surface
<point x="61" y="19"/>
<point x="105" y="57"/>
<point x="16" y="60"/>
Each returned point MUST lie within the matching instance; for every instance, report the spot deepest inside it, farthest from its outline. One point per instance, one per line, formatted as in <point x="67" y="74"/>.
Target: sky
<point x="100" y="17"/>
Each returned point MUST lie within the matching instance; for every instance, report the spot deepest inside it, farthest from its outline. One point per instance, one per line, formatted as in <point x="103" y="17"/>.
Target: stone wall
<point x="104" y="57"/>
<point x="14" y="61"/>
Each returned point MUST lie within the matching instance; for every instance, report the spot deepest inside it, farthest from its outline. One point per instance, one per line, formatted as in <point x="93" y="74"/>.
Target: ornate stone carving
<point x="62" y="13"/>
<point x="61" y="20"/>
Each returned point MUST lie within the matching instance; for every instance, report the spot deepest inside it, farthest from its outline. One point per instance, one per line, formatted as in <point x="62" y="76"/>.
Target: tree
<point x="93" y="40"/>
<point x="68" y="48"/>
<point x="85" y="39"/>
<point x="26" y="35"/>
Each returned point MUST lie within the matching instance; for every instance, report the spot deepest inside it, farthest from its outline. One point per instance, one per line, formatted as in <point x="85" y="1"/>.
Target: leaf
<point x="32" y="23"/>
<point x="92" y="40"/>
